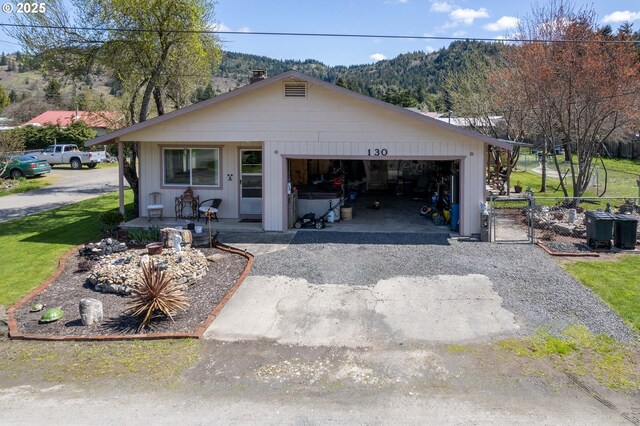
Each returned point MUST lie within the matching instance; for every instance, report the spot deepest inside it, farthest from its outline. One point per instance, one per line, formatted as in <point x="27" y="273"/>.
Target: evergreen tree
<point x="13" y="96"/>
<point x="3" y="59"/>
<point x="52" y="92"/>
<point x="4" y="98"/>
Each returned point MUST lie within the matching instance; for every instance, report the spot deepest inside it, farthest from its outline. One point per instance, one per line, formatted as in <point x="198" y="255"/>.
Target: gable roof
<point x="101" y="119"/>
<point x="293" y="76"/>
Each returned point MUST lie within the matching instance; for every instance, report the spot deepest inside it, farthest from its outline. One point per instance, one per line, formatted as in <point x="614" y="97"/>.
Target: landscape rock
<point x="4" y="322"/>
<point x="91" y="311"/>
<point x="102" y="248"/>
<point x="116" y="276"/>
<point x="168" y="237"/>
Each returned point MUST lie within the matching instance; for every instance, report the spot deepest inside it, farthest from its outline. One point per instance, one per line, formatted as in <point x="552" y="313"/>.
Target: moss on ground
<point x="156" y="361"/>
<point x="613" y="364"/>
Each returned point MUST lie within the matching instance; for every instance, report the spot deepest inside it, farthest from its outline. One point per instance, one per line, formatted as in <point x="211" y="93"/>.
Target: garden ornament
<point x="51" y="315"/>
<point x="37" y="307"/>
<point x="176" y="243"/>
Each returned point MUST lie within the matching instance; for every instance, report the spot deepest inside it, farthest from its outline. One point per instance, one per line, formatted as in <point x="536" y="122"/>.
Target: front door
<point x="250" y="182"/>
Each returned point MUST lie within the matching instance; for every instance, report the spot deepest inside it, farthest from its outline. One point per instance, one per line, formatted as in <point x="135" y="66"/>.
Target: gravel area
<point x="566" y="247"/>
<point x="532" y="285"/>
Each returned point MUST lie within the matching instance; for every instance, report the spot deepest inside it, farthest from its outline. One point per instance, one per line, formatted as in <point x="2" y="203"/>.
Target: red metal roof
<point x="103" y="119"/>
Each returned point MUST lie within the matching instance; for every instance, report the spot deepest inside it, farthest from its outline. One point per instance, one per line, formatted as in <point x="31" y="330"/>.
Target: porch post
<point x="121" y="175"/>
<point x="508" y="171"/>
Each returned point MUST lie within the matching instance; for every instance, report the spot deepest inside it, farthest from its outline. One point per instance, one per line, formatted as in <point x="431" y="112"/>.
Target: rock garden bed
<point x="106" y="271"/>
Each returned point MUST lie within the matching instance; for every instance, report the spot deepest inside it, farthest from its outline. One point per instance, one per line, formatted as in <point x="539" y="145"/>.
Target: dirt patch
<point x="72" y="285"/>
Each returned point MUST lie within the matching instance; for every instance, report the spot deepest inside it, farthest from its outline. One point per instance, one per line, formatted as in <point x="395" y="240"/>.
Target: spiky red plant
<point x="155" y="294"/>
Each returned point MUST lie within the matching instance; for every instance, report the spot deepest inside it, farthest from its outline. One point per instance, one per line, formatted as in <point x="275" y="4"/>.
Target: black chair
<point x="211" y="205"/>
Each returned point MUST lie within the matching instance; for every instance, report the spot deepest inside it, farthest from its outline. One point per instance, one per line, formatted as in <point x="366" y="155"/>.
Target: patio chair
<point x="155" y="206"/>
<point x="211" y="205"/>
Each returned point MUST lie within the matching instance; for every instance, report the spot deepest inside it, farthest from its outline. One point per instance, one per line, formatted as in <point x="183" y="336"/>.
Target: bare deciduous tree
<point x="577" y="87"/>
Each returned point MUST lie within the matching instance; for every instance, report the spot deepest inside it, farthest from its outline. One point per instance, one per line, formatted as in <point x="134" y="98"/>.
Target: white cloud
<point x="396" y="1"/>
<point x="502" y="24"/>
<point x="377" y="57"/>
<point x="459" y="33"/>
<point x="621" y="16"/>
<point x="441" y="6"/>
<point x="429" y="49"/>
<point x="468" y="15"/>
<point x="219" y="26"/>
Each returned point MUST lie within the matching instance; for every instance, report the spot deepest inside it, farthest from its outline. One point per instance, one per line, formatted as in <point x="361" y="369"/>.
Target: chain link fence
<point x="563" y="219"/>
<point x="529" y="219"/>
<point x="510" y="219"/>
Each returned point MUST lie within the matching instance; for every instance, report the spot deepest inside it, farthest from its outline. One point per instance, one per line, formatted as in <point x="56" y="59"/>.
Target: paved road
<point x="69" y="186"/>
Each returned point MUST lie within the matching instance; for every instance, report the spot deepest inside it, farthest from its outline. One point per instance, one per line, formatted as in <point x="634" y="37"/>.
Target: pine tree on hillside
<point x="4" y="98"/>
<point x="52" y="92"/>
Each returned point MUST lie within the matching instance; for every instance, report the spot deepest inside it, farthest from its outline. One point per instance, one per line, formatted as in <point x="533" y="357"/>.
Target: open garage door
<point x="377" y="195"/>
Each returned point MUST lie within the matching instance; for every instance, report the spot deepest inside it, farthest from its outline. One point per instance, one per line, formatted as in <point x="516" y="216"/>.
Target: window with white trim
<point x="191" y="166"/>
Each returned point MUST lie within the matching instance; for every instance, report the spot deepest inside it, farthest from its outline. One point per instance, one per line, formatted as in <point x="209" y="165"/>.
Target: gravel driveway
<point x="533" y="287"/>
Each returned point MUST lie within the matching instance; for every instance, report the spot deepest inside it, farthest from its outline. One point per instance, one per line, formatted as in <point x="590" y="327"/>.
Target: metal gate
<point x="511" y="219"/>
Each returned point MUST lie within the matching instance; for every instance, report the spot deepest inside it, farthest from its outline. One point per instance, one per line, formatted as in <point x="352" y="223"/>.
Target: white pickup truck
<point x="70" y="154"/>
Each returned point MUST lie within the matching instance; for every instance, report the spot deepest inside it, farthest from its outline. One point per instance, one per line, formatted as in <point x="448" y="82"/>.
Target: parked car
<point x="24" y="166"/>
<point x="70" y="154"/>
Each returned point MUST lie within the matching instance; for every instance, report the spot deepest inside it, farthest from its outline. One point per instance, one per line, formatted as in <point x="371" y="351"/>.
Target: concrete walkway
<point x="69" y="186"/>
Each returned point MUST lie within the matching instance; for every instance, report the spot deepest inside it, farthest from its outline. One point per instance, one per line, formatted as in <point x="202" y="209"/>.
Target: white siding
<point x="151" y="177"/>
<point x="325" y="124"/>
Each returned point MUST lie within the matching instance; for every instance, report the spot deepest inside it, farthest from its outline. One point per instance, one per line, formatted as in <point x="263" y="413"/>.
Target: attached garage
<point x="252" y="146"/>
<point x="383" y="195"/>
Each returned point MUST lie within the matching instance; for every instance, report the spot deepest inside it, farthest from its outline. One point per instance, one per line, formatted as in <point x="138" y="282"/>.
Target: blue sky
<point x="447" y="18"/>
<point x="456" y="18"/>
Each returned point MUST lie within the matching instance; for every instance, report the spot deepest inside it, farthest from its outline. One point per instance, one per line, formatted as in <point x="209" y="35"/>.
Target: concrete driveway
<point x="69" y="186"/>
<point x="383" y="312"/>
<point x="319" y="288"/>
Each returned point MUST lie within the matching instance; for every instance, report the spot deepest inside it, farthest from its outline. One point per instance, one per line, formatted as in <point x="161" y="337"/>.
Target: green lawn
<point x="621" y="177"/>
<point x="31" y="246"/>
<point x="615" y="282"/>
<point x="25" y="185"/>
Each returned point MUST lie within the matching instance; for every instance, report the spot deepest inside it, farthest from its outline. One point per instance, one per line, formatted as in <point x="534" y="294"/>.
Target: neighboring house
<point x="100" y="121"/>
<point x="245" y="146"/>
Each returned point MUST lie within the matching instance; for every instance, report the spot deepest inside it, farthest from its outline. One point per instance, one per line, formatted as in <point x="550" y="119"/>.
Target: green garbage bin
<point x="625" y="229"/>
<point x="599" y="228"/>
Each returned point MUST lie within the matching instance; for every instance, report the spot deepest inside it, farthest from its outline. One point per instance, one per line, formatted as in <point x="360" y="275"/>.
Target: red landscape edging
<point x="555" y="253"/>
<point x="15" y="334"/>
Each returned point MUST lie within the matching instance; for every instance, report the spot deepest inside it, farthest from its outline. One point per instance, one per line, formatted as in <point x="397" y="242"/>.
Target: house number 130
<point x="377" y="152"/>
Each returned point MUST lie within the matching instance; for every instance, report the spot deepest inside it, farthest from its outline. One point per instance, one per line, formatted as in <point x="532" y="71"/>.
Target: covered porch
<point x="223" y="225"/>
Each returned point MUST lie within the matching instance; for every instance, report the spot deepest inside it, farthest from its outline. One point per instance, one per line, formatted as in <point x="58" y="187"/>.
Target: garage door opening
<point x="378" y="195"/>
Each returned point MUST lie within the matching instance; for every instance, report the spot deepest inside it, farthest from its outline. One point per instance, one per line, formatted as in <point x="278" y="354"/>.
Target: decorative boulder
<point x="168" y="237"/>
<point x="90" y="311"/>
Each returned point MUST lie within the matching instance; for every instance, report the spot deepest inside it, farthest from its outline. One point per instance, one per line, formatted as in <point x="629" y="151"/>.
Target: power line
<point x="326" y="35"/>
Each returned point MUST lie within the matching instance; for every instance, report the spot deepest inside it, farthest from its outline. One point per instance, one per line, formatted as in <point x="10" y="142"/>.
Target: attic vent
<point x="295" y="90"/>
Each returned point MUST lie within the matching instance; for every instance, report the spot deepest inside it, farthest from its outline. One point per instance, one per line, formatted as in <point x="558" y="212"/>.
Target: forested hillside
<point x="411" y="79"/>
<point x="419" y="75"/>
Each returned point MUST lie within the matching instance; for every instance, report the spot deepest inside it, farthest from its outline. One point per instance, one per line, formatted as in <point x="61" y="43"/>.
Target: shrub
<point x="148" y="235"/>
<point x="109" y="221"/>
<point x="155" y="294"/>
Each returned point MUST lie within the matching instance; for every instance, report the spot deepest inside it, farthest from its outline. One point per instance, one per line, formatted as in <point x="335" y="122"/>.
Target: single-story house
<point x="100" y="121"/>
<point x="291" y="133"/>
